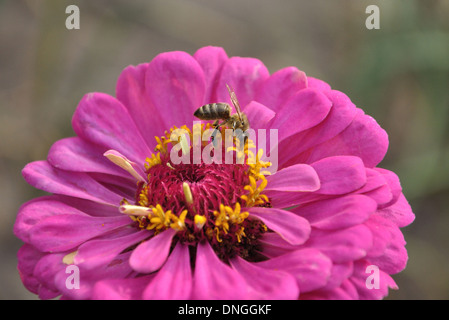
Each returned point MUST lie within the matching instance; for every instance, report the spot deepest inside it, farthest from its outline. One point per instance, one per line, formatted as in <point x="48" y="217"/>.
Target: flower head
<point x="143" y="206"/>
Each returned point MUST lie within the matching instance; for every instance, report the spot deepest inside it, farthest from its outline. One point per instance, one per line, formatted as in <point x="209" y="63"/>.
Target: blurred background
<point x="399" y="74"/>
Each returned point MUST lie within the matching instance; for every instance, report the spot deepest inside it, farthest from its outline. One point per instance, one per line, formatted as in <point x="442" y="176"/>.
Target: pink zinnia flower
<point x="138" y="226"/>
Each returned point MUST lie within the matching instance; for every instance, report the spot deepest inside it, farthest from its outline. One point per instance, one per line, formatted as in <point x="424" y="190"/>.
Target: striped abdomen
<point x="213" y="111"/>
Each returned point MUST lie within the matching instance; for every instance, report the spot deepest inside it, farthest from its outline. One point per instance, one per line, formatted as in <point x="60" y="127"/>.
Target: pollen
<point x="257" y="181"/>
<point x="202" y="201"/>
<point x="227" y="218"/>
<point x="200" y="221"/>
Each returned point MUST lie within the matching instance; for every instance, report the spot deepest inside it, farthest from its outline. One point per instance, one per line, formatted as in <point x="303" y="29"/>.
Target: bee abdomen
<point x="213" y="111"/>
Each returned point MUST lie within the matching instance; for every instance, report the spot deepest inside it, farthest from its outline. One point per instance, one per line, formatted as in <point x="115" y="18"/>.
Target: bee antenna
<point x="234" y="100"/>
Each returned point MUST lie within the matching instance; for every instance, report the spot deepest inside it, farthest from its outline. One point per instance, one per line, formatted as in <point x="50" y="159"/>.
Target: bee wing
<point x="234" y="100"/>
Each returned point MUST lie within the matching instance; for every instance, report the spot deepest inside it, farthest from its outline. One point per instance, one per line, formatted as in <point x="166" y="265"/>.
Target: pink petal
<point x="76" y="154"/>
<point x="41" y="175"/>
<point x="340" y="174"/>
<point x="297" y="148"/>
<point x="382" y="234"/>
<point x="45" y="271"/>
<point x="266" y="283"/>
<point x="176" y="86"/>
<point x="27" y="257"/>
<point x="245" y="76"/>
<point x="273" y="245"/>
<point x="118" y="269"/>
<point x="400" y="212"/>
<point x="211" y="59"/>
<point x="337" y="213"/>
<point x="381" y="195"/>
<point x="150" y="255"/>
<point x="174" y="280"/>
<point x="296" y="178"/>
<point x="394" y="256"/>
<point x="292" y="228"/>
<point x="363" y="138"/>
<point x="103" y="120"/>
<point x="346" y="291"/>
<point x="124" y="187"/>
<point x="95" y="253"/>
<point x="318" y="84"/>
<point x="62" y="232"/>
<point x="121" y="289"/>
<point x="33" y="212"/>
<point x="359" y="279"/>
<point x="304" y="110"/>
<point x="376" y="187"/>
<point x="281" y="199"/>
<point x="131" y="90"/>
<point x="310" y="267"/>
<point x="91" y="208"/>
<point x="258" y="115"/>
<point x="280" y="86"/>
<point x="46" y="294"/>
<point x="342" y="245"/>
<point x="393" y="183"/>
<point x="215" y="280"/>
<point x="340" y="272"/>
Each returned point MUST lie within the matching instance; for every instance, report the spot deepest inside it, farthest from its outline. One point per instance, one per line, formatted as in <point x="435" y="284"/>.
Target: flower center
<point x="202" y="201"/>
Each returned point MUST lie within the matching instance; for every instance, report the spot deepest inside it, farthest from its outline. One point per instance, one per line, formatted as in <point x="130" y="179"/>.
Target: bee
<point x="222" y="111"/>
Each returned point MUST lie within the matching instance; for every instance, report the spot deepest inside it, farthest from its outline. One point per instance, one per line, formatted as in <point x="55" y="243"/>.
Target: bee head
<point x="244" y="123"/>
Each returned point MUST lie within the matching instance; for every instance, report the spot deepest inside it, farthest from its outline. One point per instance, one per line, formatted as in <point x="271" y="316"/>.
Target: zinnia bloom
<point x="137" y="225"/>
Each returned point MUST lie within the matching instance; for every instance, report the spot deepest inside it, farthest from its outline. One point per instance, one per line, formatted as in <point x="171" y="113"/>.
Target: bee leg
<point x="213" y="136"/>
<point x="214" y="133"/>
